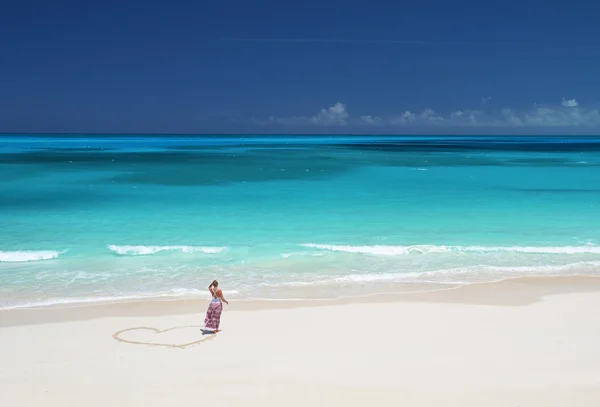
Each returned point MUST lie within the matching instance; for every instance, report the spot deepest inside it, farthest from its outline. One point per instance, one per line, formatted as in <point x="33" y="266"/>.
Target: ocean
<point x="114" y="218"/>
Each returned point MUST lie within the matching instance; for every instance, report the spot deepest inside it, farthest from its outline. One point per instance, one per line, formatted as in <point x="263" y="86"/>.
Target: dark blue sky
<point x="266" y="66"/>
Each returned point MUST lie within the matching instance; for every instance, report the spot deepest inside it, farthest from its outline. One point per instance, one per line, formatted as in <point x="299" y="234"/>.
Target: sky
<point x="432" y="66"/>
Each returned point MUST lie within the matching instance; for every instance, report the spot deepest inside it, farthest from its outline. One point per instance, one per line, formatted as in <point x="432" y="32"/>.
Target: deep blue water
<point x="107" y="217"/>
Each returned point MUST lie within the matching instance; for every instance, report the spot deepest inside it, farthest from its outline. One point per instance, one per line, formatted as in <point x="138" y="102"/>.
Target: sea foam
<point x="86" y="300"/>
<point x="127" y="250"/>
<point x="28" y="255"/>
<point x="426" y="249"/>
<point x="456" y="275"/>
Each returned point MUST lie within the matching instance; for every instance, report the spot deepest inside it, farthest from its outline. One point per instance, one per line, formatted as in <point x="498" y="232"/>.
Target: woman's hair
<point x="215" y="283"/>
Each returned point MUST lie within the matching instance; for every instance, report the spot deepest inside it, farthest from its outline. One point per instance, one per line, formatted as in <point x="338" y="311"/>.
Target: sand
<point x="520" y="343"/>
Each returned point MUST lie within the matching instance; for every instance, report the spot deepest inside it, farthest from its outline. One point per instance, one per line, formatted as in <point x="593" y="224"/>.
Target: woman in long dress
<point x="213" y="314"/>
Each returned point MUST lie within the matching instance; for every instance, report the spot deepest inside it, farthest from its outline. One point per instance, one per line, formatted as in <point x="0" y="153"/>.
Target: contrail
<point x="349" y="41"/>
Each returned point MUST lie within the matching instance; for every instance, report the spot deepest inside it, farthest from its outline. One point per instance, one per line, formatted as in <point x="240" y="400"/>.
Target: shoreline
<point x="519" y="291"/>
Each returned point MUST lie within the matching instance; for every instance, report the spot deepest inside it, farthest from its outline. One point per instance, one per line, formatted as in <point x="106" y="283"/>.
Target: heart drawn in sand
<point x="177" y="337"/>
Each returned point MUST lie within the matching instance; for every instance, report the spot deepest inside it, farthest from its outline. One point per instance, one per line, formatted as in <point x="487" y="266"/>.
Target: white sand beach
<point x="527" y="342"/>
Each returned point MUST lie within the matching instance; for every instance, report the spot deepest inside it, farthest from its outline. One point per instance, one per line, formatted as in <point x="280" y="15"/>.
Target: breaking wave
<point x="427" y="249"/>
<point x="28" y="255"/>
<point x="127" y="250"/>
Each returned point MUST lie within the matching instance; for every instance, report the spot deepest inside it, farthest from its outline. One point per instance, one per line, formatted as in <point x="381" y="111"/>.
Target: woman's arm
<point x="220" y="295"/>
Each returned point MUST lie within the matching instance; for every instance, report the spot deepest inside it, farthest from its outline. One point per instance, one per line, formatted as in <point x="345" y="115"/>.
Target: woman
<point x="213" y="315"/>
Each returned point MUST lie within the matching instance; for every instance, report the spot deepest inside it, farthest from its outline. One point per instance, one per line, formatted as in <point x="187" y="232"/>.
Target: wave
<point x="427" y="249"/>
<point x="481" y="271"/>
<point x="377" y="250"/>
<point x="173" y="293"/>
<point x="457" y="275"/>
<point x="28" y="255"/>
<point x="295" y="254"/>
<point x="127" y="250"/>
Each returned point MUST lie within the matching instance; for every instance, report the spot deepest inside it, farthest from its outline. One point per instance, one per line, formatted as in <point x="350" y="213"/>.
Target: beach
<point x="522" y="342"/>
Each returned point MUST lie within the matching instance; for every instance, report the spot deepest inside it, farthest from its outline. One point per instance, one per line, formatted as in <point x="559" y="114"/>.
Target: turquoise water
<point x="109" y="218"/>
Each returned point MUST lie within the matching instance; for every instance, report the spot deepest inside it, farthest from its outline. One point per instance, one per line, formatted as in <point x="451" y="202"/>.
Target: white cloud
<point x="511" y="118"/>
<point x="374" y="120"/>
<point x="562" y="117"/>
<point x="569" y="103"/>
<point x="404" y="118"/>
<point x="484" y="100"/>
<point x="428" y="115"/>
<point x="466" y="116"/>
<point x="335" y="115"/>
<point x="567" y="114"/>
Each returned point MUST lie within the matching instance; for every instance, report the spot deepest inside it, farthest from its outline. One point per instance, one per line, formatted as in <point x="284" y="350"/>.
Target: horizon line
<point x="442" y="134"/>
